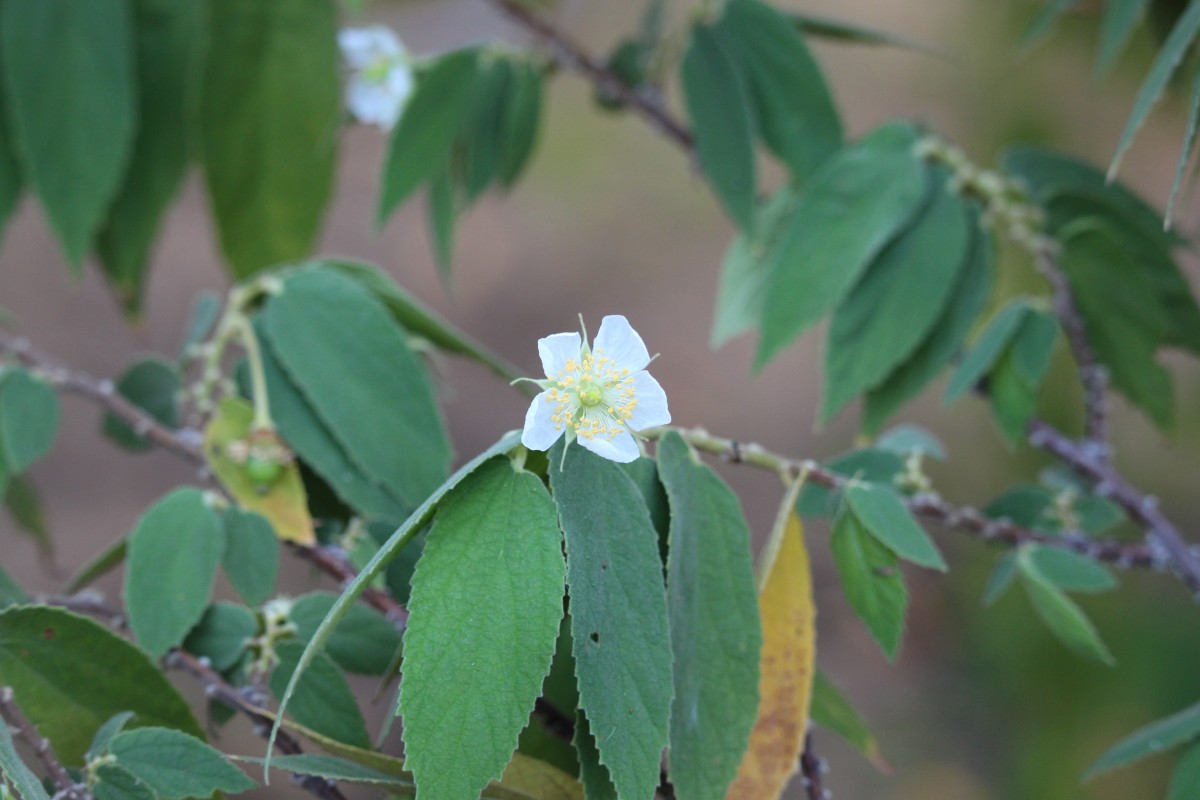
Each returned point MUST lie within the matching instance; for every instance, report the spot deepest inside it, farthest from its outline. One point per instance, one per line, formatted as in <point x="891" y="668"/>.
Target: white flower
<point x="599" y="397"/>
<point x="382" y="77"/>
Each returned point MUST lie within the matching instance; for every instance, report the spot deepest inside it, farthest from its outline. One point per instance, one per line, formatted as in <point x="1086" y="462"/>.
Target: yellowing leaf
<point x="282" y="501"/>
<point x="788" y="662"/>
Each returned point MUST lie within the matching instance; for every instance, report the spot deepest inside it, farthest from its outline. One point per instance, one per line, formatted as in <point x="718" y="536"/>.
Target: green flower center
<point x="590" y="394"/>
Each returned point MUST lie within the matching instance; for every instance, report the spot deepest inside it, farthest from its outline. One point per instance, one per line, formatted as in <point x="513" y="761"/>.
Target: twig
<point x="571" y="55"/>
<point x="68" y="789"/>
<point x="812" y="772"/>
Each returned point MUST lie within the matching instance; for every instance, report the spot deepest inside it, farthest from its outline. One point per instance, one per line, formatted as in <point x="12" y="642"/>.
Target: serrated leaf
<point x="791" y="101"/>
<point x="222" y="634"/>
<point x="70" y="99"/>
<point x="168" y="36"/>
<point x="944" y="339"/>
<point x="461" y="723"/>
<point x="1062" y="617"/>
<point x="618" y="615"/>
<point x="284" y="503"/>
<point x="153" y="385"/>
<point x="869" y="465"/>
<point x="173" y="556"/>
<point x="987" y="350"/>
<point x="1121" y="18"/>
<point x="896" y="303"/>
<point x="421" y="141"/>
<point x="788" y="660"/>
<point x="831" y="710"/>
<point x="14" y="770"/>
<point x="713" y="613"/>
<point x="269" y="123"/>
<point x="851" y="207"/>
<point x="117" y="783"/>
<point x="251" y="558"/>
<point x="323" y="700"/>
<point x="29" y="415"/>
<point x="355" y="367"/>
<point x="1071" y="571"/>
<point x="1163" y="734"/>
<point x="597" y="783"/>
<point x="872" y="581"/>
<point x="1185" y="778"/>
<point x="365" y="642"/>
<point x="1169" y="57"/>
<point x="175" y="765"/>
<point x="72" y="674"/>
<point x="883" y="514"/>
<point x="719" y="107"/>
<point x="1001" y="578"/>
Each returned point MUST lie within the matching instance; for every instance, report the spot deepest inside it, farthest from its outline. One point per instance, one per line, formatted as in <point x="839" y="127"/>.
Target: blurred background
<point x="612" y="219"/>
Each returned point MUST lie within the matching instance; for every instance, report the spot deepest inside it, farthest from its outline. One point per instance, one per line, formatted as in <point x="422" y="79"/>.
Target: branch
<point x="812" y="772"/>
<point x="570" y="55"/>
<point x="68" y="789"/>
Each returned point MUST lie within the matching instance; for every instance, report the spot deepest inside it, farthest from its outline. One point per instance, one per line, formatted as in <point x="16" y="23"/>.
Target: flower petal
<point x="540" y="432"/>
<point x="622" y="448"/>
<point x="556" y="350"/>
<point x="651" y="409"/>
<point x="363" y="46"/>
<point x="621" y="343"/>
<point x="373" y="103"/>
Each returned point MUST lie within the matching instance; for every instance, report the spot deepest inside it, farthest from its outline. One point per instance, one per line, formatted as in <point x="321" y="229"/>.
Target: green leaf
<point x="175" y="765"/>
<point x="1071" y="571"/>
<point x="1033" y="345"/>
<point x="1001" y="578"/>
<point x="1045" y="19"/>
<point x="788" y="94"/>
<point x="896" y="303"/>
<point x="597" y="783"/>
<point x="323" y="700"/>
<point x="872" y="581"/>
<point x="206" y="307"/>
<point x="1121" y="18"/>
<point x="386" y="553"/>
<point x="716" y="638"/>
<point x="25" y="505"/>
<point x="152" y="384"/>
<point x="353" y="364"/>
<point x="118" y="783"/>
<point x="479" y="145"/>
<point x="1185" y="779"/>
<point x="173" y="556"/>
<point x="1180" y="727"/>
<point x="1013" y="398"/>
<point x="29" y="415"/>
<point x="905" y="440"/>
<point x="618" y="615"/>
<point x="1169" y="57"/>
<point x="342" y="770"/>
<point x="987" y="350"/>
<point x="11" y="181"/>
<point x="70" y="98"/>
<point x="831" y="710"/>
<point x="851" y="207"/>
<point x="520" y="120"/>
<point x="10" y="592"/>
<point x="1065" y="620"/>
<point x="461" y="723"/>
<point x="1123" y="321"/>
<point x="1189" y="144"/>
<point x="837" y="30"/>
<point x="442" y="212"/>
<point x="14" y="771"/>
<point x="104" y="562"/>
<point x="874" y="466"/>
<point x="436" y="112"/>
<point x="104" y="736"/>
<point x="222" y="634"/>
<point x="719" y="107"/>
<point x="365" y="642"/>
<point x="168" y="39"/>
<point x="944" y="339"/>
<point x="883" y="514"/>
<point x="269" y="121"/>
<point x="72" y="674"/>
<point x="251" y="557"/>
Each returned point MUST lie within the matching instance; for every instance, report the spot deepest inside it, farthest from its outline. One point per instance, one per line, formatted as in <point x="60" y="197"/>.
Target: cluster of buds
<point x="262" y="456"/>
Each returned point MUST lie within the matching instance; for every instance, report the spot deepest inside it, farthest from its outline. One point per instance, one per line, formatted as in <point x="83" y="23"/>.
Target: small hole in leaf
<point x="595" y="637"/>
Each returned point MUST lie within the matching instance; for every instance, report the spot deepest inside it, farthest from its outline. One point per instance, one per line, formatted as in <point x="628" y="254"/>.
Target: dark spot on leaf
<point x="49" y="633"/>
<point x="604" y="565"/>
<point x="595" y="637"/>
<point x="885" y="572"/>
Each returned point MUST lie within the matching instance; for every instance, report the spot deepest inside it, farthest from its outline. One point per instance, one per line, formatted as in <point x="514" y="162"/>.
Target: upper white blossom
<point x="599" y="396"/>
<point x="382" y="77"/>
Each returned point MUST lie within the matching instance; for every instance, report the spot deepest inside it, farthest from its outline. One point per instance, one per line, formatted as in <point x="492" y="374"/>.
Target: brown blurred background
<point x="610" y="219"/>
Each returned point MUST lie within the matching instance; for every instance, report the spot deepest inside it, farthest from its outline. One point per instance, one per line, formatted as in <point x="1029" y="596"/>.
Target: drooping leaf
<point x="618" y="615"/>
<point x="719" y="106"/>
<point x="72" y="674"/>
<point x="173" y="556"/>
<point x="355" y="367"/>
<point x="1185" y="778"/>
<point x="1013" y="398"/>
<point x="520" y="120"/>
<point x="153" y="385"/>
<point x="15" y="772"/>
<point x="283" y="503"/>
<point x="836" y="30"/>
<point x="831" y="710"/>
<point x="788" y="660"/>
<point x="70" y="99"/>
<point x="365" y="642"/>
<point x="1071" y="571"/>
<point x="442" y="212"/>
<point x="104" y="562"/>
<point x="323" y="700"/>
<point x="597" y="783"/>
<point x="168" y="40"/>
<point x="1003" y="574"/>
<point x="1168" y="732"/>
<point x="1121" y="18"/>
<point x="883" y="514"/>
<point x="849" y="210"/>
<point x="896" y="303"/>
<point x="1062" y="617"/>
<point x="29" y="414"/>
<point x="872" y="581"/>
<point x="791" y="101"/>
<point x="176" y="765"/>
<point x="269" y="125"/>
<point x="1033" y="345"/>
<point x="251" y="557"/>
<point x="987" y="349"/>
<point x="713" y="610"/>
<point x="222" y="634"/>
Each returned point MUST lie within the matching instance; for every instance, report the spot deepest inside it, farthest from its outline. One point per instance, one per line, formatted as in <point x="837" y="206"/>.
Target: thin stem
<point x="42" y="750"/>
<point x="812" y="771"/>
<point x="240" y="325"/>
